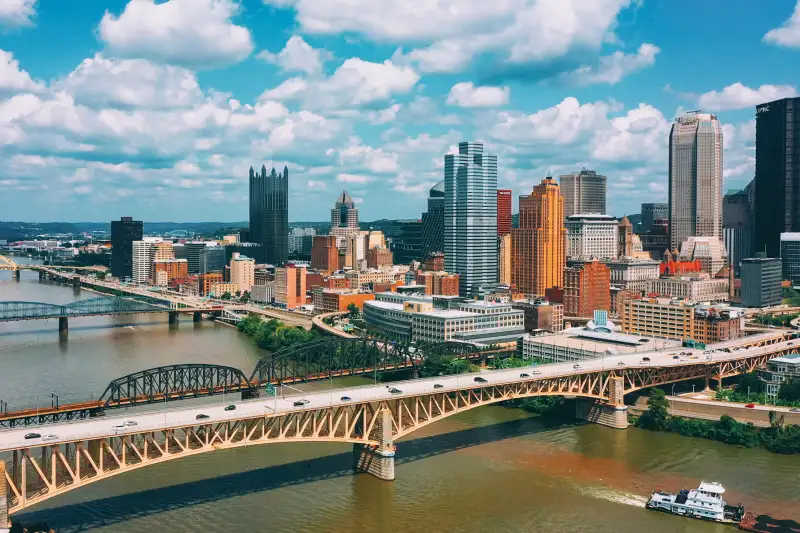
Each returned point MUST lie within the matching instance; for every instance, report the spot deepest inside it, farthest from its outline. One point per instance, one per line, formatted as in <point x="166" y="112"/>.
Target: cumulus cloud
<point x="738" y="96"/>
<point x="195" y="33"/>
<point x="563" y="123"/>
<point x="788" y="34"/>
<point x="17" y="12"/>
<point x="613" y="68"/>
<point x="297" y="56"/>
<point x="466" y="94"/>
<point x="353" y="178"/>
<point x="14" y="79"/>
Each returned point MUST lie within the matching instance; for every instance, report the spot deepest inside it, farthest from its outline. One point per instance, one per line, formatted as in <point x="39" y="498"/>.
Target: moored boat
<point x="705" y="502"/>
<point x="766" y="523"/>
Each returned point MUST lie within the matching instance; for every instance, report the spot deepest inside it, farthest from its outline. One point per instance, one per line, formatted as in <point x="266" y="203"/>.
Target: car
<point x="645" y="359"/>
<point x="33" y="436"/>
<point x="395" y="391"/>
<point x="789" y="344"/>
<point x="536" y="372"/>
<point x="576" y="366"/>
<point x="130" y="423"/>
<point x="622" y="363"/>
<point x="794" y="410"/>
<point x="117" y="427"/>
<point x="346" y="398"/>
<point x="231" y="407"/>
<point x="300" y="403"/>
<point x="48" y="438"/>
<point x="750" y="405"/>
<point x="201" y="416"/>
<point x="524" y="375"/>
<point x="675" y="357"/>
<point x="479" y="379"/>
<point x="437" y="385"/>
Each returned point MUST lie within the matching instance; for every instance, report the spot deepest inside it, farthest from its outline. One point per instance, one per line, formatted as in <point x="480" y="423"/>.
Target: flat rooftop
<point x="599" y="342"/>
<point x="791" y="358"/>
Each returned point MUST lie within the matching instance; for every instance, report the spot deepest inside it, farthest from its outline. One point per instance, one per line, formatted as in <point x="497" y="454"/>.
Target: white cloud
<point x="102" y="82"/>
<point x="465" y="94"/>
<point x="563" y="123"/>
<point x="788" y="34"/>
<point x="612" y="68"/>
<point x="360" y="157"/>
<point x="353" y="178"/>
<point x="738" y="96"/>
<point x="642" y="134"/>
<point x="194" y="33"/>
<point x="17" y="12"/>
<point x="384" y="116"/>
<point x="297" y="56"/>
<point x="12" y="78"/>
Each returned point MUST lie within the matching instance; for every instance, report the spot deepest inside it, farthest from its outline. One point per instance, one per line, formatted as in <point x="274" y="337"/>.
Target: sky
<point x="156" y="109"/>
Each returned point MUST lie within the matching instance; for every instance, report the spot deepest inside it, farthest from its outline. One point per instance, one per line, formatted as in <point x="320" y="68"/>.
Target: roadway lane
<point x="155" y="420"/>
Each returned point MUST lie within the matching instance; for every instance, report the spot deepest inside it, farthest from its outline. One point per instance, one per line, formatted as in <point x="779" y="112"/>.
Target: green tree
<point x="790" y="390"/>
<point x="748" y="383"/>
<point x="245" y="298"/>
<point x="353" y="310"/>
<point x="226" y="296"/>
<point x="657" y="414"/>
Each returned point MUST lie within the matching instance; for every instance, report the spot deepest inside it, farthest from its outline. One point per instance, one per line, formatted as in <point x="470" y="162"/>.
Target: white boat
<point x="704" y="502"/>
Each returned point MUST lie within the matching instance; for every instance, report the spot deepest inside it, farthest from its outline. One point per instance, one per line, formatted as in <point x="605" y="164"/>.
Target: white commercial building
<point x="709" y="250"/>
<point x="633" y="274"/>
<point x="700" y="288"/>
<point x="591" y="236"/>
<point x="143" y="255"/>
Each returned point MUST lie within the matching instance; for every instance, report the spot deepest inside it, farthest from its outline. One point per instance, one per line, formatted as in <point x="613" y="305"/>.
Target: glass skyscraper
<point x="470" y="217"/>
<point x="123" y="232"/>
<point x="269" y="214"/>
<point x="584" y="192"/>
<point x="433" y="222"/>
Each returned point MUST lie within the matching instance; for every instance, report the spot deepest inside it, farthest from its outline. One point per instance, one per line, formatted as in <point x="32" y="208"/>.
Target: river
<point x="491" y="469"/>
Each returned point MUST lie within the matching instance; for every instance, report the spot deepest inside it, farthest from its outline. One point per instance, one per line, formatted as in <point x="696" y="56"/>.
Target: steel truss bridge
<point x="6" y="263"/>
<point x="373" y="420"/>
<point x="302" y="364"/>
<point x="103" y="305"/>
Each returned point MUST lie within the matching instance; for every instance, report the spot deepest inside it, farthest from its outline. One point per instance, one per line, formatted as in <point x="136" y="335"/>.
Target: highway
<point x="105" y="425"/>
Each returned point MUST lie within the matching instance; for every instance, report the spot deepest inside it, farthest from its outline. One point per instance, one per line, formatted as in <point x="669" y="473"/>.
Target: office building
<point x="470" y="216"/>
<point x="761" y="281"/>
<point x="344" y="218"/>
<point x="143" y="255"/>
<point x="656" y="241"/>
<point x="695" y="178"/>
<point x="539" y="243"/>
<point x="193" y="251"/>
<point x="171" y="269"/>
<point x="212" y="259"/>
<point x="737" y="220"/>
<point x="504" y="201"/>
<point x="242" y="272"/>
<point x="505" y="260"/>
<point x="587" y="288"/>
<point x="437" y="283"/>
<point x="433" y="222"/>
<point x="584" y="192"/>
<point x="123" y="232"/>
<point x="632" y="273"/>
<point x="301" y="240"/>
<point x="540" y="314"/>
<point x="290" y="286"/>
<point x="698" y="287"/>
<point x="339" y="300"/>
<point x="777" y="182"/>
<point x="407" y="245"/>
<point x="790" y="258"/>
<point x="708" y="250"/>
<point x="379" y="258"/>
<point x="206" y="281"/>
<point x="435" y="261"/>
<point x="269" y="214"/>
<point x="591" y="236"/>
<point x="681" y="319"/>
<point x="250" y="249"/>
<point x="325" y="254"/>
<point x="652" y="212"/>
<point x="779" y="370"/>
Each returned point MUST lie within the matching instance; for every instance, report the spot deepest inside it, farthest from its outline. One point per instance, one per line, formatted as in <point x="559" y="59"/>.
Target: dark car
<point x="201" y="416"/>
<point x="675" y="357"/>
<point x="300" y="403"/>
<point x="346" y="398"/>
<point x="395" y="391"/>
<point x="480" y="380"/>
<point x="33" y="436"/>
<point x="524" y="375"/>
<point x="438" y="386"/>
<point x="231" y="407"/>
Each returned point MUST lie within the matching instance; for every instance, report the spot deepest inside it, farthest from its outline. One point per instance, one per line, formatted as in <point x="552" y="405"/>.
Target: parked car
<point x="395" y="391"/>
<point x="346" y="398"/>
<point x="201" y="416"/>
<point x="750" y="405"/>
<point x="479" y="379"/>
<point x="231" y="407"/>
<point x="300" y="403"/>
<point x="524" y="375"/>
<point x="437" y="385"/>
<point x="33" y="436"/>
<point x="48" y="438"/>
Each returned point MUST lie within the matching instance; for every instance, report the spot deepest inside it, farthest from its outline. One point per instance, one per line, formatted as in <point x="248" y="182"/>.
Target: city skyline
<point x="120" y="119"/>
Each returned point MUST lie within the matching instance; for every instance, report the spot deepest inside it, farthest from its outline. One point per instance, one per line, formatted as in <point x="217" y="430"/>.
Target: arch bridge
<point x="371" y="418"/>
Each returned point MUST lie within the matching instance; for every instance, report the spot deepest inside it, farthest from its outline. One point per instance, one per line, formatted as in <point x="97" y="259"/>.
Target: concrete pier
<point x="173" y="317"/>
<point x="613" y="413"/>
<point x="63" y="324"/>
<point x="5" y="523"/>
<point x="197" y="316"/>
<point x="16" y="274"/>
<point x="377" y="460"/>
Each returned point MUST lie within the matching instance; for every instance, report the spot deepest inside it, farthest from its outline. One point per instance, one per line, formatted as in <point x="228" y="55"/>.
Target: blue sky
<point x="156" y="109"/>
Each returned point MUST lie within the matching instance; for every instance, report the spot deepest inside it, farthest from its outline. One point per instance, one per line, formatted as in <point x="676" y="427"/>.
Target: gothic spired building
<point x="269" y="214"/>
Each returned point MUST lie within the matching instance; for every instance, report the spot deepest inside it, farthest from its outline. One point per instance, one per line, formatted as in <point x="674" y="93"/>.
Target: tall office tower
<point x="144" y="252"/>
<point x="433" y="222"/>
<point x="470" y="217"/>
<point x="269" y="214"/>
<point x="503" y="212"/>
<point x="790" y="258"/>
<point x="123" y="232"/>
<point x="301" y="240"/>
<point x="344" y="218"/>
<point x="652" y="212"/>
<point x="737" y="231"/>
<point x="540" y="242"/>
<point x="777" y="190"/>
<point x="584" y="192"/>
<point x="695" y="178"/>
<point x="325" y="254"/>
<point x="213" y="258"/>
<point x="505" y="260"/>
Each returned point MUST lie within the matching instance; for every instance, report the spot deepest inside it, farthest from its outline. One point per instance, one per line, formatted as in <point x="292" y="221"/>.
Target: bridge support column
<point x="16" y="274"/>
<point x="613" y="414"/>
<point x="63" y="324"/>
<point x="42" y="276"/>
<point x="377" y="460"/>
<point x="173" y="317"/>
<point x="197" y="316"/>
<point x="5" y="523"/>
<point x="76" y="282"/>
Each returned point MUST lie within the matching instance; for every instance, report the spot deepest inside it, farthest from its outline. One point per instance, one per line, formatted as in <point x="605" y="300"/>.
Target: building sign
<point x="762" y="109"/>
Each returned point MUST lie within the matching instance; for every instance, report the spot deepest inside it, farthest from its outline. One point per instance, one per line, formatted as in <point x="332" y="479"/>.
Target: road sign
<point x="270" y="389"/>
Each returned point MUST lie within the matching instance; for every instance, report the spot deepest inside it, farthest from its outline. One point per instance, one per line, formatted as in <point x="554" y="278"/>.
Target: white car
<point x="118" y="427"/>
<point x="536" y="372"/>
<point x="130" y="423"/>
<point x="48" y="438"/>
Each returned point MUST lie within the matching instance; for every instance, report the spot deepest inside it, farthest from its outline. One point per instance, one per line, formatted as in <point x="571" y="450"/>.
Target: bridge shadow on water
<point x="74" y="518"/>
<point x="80" y="328"/>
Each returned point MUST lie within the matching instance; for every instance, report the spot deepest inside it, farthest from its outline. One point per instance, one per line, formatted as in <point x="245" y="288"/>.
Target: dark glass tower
<point x="777" y="194"/>
<point x="123" y="232"/>
<point x="433" y="222"/>
<point x="269" y="214"/>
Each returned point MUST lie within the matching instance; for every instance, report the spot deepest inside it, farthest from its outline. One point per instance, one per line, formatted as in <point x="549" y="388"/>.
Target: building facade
<point x="290" y="286"/>
<point x="504" y="201"/>
<point x="633" y="274"/>
<point x="242" y="272"/>
<point x="677" y="319"/>
<point x="433" y="222"/>
<point x="505" y="254"/>
<point x="269" y="214"/>
<point x="777" y="182"/>
<point x="438" y="283"/>
<point x="584" y="192"/>
<point x="470" y="216"/>
<point x="737" y="220"/>
<point x="695" y="288"/>
<point x="301" y="240"/>
<point x="379" y="258"/>
<point x="344" y="218"/>
<point x="695" y="178"/>
<point x="779" y="371"/>
<point x="172" y="269"/>
<point x="143" y="256"/>
<point x="540" y="314"/>
<point x="325" y="254"/>
<point x="587" y="288"/>
<point x="761" y="281"/>
<point x="539" y="243"/>
<point x="652" y="212"/>
<point x="123" y="232"/>
<point x="790" y="258"/>
<point x="591" y="237"/>
<point x="708" y="250"/>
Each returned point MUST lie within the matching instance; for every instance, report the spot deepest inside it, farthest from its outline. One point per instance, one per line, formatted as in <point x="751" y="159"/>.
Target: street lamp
<point x="37" y="408"/>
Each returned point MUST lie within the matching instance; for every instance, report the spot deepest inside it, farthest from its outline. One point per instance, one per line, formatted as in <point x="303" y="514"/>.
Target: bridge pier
<point x="76" y="282"/>
<point x="173" y="317"/>
<point x="613" y="413"/>
<point x="377" y="460"/>
<point x="197" y="316"/>
<point x="16" y="274"/>
<point x="42" y="276"/>
<point x="5" y="523"/>
<point x="63" y="324"/>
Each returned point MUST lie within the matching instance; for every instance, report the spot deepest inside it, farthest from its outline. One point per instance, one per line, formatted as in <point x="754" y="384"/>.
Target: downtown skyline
<point x="164" y="126"/>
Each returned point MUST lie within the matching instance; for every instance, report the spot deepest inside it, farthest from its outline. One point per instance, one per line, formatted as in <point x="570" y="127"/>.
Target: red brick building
<point x="587" y="288"/>
<point x="379" y="257"/>
<point x="324" y="254"/>
<point x="438" y="283"/>
<point x="434" y="262"/>
<point x="504" y="200"/>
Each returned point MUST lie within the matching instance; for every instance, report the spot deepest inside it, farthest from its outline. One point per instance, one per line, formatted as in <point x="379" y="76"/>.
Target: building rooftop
<point x="593" y="217"/>
<point x="791" y="358"/>
<point x="601" y="342"/>
<point x="791" y="236"/>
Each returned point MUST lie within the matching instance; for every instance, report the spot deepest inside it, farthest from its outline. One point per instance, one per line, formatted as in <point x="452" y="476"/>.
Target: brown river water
<point x="491" y="469"/>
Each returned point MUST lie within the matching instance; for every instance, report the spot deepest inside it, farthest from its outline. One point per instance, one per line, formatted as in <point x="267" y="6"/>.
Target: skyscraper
<point x="503" y="212"/>
<point x="584" y="192"/>
<point x="695" y="178"/>
<point x="470" y="216"/>
<point x="433" y="222"/>
<point x="344" y="218"/>
<point x="777" y="191"/>
<point x="737" y="231"/>
<point x="652" y="212"/>
<point x="540" y="242"/>
<point x="123" y="232"/>
<point x="269" y="214"/>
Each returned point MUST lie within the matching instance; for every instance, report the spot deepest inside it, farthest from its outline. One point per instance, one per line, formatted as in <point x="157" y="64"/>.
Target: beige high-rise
<point x="505" y="259"/>
<point x="540" y="242"/>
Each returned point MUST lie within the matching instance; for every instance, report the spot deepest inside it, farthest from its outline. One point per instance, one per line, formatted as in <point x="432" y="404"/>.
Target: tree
<point x="353" y="310"/>
<point x="226" y="296"/>
<point x="748" y="383"/>
<point x="656" y="416"/>
<point x="245" y="297"/>
<point x="790" y="390"/>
